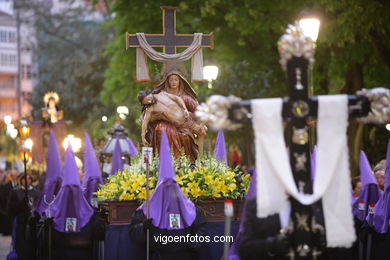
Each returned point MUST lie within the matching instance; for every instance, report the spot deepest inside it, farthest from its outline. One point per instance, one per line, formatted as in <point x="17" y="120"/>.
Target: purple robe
<point x="169" y="208"/>
<point x="53" y="176"/>
<point x="116" y="159"/>
<point x="70" y="211"/>
<point x="382" y="208"/>
<point x="370" y="191"/>
<point x="220" y="148"/>
<point x="92" y="175"/>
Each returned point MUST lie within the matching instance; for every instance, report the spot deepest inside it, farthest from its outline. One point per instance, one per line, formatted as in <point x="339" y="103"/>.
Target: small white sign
<point x="70" y="224"/>
<point x="147" y="156"/>
<point x="174" y="221"/>
<point x="107" y="168"/>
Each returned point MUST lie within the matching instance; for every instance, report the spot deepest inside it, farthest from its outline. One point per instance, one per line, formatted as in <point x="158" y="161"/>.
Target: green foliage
<point x="69" y="51"/>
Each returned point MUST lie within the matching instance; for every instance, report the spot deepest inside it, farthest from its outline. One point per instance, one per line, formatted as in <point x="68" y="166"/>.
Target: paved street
<point x="5" y="243"/>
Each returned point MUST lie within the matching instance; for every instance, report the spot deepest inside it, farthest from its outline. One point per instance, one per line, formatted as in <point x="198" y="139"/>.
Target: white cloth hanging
<point x="194" y="51"/>
<point x="275" y="180"/>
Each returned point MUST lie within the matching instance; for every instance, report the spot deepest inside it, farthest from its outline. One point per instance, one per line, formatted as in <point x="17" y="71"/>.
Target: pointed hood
<point x="220" y="148"/>
<point x="366" y="174"/>
<point x="133" y="149"/>
<point x="234" y="248"/>
<point x="116" y="159"/>
<point x="382" y="208"/>
<point x="92" y="175"/>
<point x="53" y="176"/>
<point x="387" y="170"/>
<point x="169" y="207"/>
<point x="70" y="171"/>
<point x="70" y="211"/>
<point x="370" y="190"/>
<point x="165" y="164"/>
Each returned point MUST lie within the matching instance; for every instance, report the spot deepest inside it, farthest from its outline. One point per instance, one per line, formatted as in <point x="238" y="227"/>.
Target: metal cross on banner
<point x="297" y="54"/>
<point x="169" y="40"/>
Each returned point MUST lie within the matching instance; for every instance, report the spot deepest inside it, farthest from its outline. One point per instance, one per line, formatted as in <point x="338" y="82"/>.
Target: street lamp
<point x="210" y="73"/>
<point x="7" y="119"/>
<point x="123" y="111"/>
<point x="116" y="132"/>
<point x="310" y="24"/>
<point x="75" y="142"/>
<point x="27" y="143"/>
<point x="13" y="133"/>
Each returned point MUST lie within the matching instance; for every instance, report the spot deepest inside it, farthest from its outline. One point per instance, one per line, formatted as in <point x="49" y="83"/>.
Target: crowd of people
<point x="55" y="218"/>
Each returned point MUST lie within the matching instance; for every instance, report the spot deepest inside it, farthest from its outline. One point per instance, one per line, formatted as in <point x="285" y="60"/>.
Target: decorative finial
<point x="295" y="43"/>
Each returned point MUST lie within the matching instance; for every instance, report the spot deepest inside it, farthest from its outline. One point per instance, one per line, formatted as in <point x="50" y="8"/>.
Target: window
<point x="3" y="36"/>
<point x="8" y="36"/>
<point x="26" y="71"/>
<point x="11" y="37"/>
<point x="7" y="60"/>
<point x="6" y="83"/>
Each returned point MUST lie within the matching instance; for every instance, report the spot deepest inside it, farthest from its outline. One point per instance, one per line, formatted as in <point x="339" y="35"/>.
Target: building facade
<point x="12" y="101"/>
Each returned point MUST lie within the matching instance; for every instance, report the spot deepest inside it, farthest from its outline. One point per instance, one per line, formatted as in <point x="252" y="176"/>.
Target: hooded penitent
<point x="382" y="208"/>
<point x="116" y="159"/>
<point x="132" y="148"/>
<point x="92" y="175"/>
<point x="220" y="148"/>
<point x="70" y="211"/>
<point x="233" y="251"/>
<point x="53" y="176"/>
<point x="169" y="207"/>
<point x="370" y="191"/>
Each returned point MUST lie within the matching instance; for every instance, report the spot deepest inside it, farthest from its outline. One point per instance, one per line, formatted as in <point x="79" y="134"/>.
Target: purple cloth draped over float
<point x="234" y="248"/>
<point x="92" y="175"/>
<point x="132" y="148"/>
<point x="70" y="211"/>
<point x="169" y="208"/>
<point x="116" y="159"/>
<point x="370" y="191"/>
<point x="53" y="176"/>
<point x="382" y="208"/>
<point x="220" y="148"/>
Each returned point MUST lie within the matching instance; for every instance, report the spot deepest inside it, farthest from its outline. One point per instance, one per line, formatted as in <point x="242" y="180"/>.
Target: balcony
<point x="7" y="88"/>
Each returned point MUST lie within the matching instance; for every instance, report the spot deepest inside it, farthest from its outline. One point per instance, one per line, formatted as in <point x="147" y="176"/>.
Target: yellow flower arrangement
<point x="207" y="178"/>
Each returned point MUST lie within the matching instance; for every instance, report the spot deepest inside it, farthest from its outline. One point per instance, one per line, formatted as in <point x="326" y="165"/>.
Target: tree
<point x="352" y="50"/>
<point x="69" y="49"/>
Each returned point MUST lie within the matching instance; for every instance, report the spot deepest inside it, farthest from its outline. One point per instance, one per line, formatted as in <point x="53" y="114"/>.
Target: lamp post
<point x="7" y="119"/>
<point x="123" y="112"/>
<point x="27" y="143"/>
<point x="310" y="25"/>
<point x="210" y="73"/>
<point x="75" y="142"/>
<point x="116" y="132"/>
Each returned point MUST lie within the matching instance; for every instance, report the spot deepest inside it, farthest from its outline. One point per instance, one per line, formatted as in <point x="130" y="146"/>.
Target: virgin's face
<point x="174" y="81"/>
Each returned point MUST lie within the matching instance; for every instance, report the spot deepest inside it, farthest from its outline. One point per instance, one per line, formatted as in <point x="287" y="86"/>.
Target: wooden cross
<point x="169" y="40"/>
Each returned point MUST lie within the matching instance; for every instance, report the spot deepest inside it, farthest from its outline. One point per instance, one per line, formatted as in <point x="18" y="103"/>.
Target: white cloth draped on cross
<point x="275" y="180"/>
<point x="194" y="51"/>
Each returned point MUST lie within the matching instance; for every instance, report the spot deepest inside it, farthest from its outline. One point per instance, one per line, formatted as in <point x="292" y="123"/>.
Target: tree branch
<point x="381" y="48"/>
